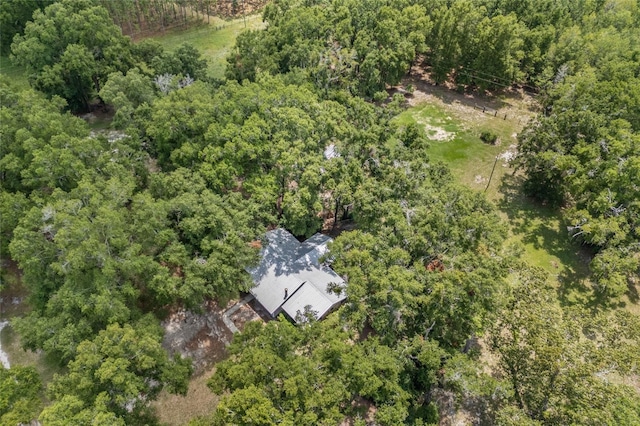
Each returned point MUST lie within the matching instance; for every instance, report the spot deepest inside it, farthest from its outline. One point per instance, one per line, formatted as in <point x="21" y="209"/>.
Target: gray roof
<point x="289" y="264"/>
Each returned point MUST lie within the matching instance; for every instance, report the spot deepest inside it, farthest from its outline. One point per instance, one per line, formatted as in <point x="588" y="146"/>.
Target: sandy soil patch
<point x="4" y="357"/>
<point x="479" y="179"/>
<point x="366" y="409"/>
<point x="438" y="134"/>
<point x="508" y="155"/>
<point x="252" y="311"/>
<point x="204" y="337"/>
<point x="177" y="409"/>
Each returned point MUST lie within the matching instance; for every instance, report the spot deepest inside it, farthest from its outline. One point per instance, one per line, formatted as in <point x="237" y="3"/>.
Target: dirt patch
<point x="508" y="155"/>
<point x="479" y="179"/>
<point x="251" y="311"/>
<point x="111" y="135"/>
<point x="456" y="411"/>
<point x="446" y="402"/>
<point x="199" y="401"/>
<point x="204" y="337"/>
<point x="366" y="411"/>
<point x="98" y="114"/>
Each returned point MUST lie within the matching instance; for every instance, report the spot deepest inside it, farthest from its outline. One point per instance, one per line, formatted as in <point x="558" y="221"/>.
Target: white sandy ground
<point x="508" y="155"/>
<point x="438" y="134"/>
<point x="4" y="358"/>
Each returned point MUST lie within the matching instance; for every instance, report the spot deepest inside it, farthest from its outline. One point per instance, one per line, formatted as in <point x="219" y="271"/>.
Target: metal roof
<point x="294" y="266"/>
<point x="300" y="302"/>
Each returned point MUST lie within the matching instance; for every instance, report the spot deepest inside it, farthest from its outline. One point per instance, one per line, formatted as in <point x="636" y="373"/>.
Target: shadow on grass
<point x="46" y="365"/>
<point x="541" y="227"/>
<point x="450" y="96"/>
<point x="632" y="292"/>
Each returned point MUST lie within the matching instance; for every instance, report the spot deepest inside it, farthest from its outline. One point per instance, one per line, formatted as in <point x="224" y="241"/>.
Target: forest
<point x="108" y="232"/>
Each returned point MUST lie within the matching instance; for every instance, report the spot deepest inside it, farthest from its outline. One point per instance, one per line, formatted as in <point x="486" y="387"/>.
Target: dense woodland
<point x="111" y="232"/>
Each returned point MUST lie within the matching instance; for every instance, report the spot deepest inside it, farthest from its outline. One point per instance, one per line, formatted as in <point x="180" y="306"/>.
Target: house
<point x="290" y="278"/>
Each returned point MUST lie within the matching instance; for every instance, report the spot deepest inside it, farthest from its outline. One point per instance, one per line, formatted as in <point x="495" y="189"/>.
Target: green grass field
<point x="213" y="40"/>
<point x="454" y="128"/>
<point x="454" y="144"/>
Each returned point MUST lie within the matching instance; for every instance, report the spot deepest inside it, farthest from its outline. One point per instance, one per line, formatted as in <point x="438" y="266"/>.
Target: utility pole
<point x="492" y="170"/>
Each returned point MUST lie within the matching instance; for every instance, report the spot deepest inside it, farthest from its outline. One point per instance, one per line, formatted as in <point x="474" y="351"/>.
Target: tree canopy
<point x="559" y="363"/>
<point x="20" y="388"/>
<point x="113" y="229"/>
<point x="14" y="14"/>
<point x="116" y="374"/>
<point x="583" y="152"/>
<point x="70" y="48"/>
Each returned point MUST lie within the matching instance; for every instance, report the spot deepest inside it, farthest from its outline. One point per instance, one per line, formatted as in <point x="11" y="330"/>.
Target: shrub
<point x="380" y="96"/>
<point x="488" y="137"/>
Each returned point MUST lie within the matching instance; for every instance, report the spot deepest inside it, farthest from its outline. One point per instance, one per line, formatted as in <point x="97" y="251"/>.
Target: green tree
<point x="313" y="375"/>
<point x="184" y="61"/>
<point x="251" y="53"/>
<point x="119" y="371"/>
<point x="558" y="374"/>
<point x="12" y="207"/>
<point x="88" y="257"/>
<point x="126" y="93"/>
<point x="266" y="139"/>
<point x="31" y="126"/>
<point x="14" y="14"/>
<point x="71" y="410"/>
<point x="581" y="157"/>
<point x="192" y="63"/>
<point x="70" y="48"/>
<point x="359" y="46"/>
<point x="382" y="289"/>
<point x="20" y="389"/>
<point x="70" y="77"/>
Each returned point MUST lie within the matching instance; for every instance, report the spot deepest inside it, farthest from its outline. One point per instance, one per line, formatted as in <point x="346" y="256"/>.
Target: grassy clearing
<point x="176" y="410"/>
<point x="454" y="123"/>
<point x="459" y="147"/>
<point x="15" y="74"/>
<point x="213" y="40"/>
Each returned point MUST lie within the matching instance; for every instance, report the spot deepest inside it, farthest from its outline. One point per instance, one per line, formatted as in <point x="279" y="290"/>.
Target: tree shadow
<point x="632" y="292"/>
<point x="542" y="228"/>
<point x="575" y="289"/>
<point x="450" y="93"/>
